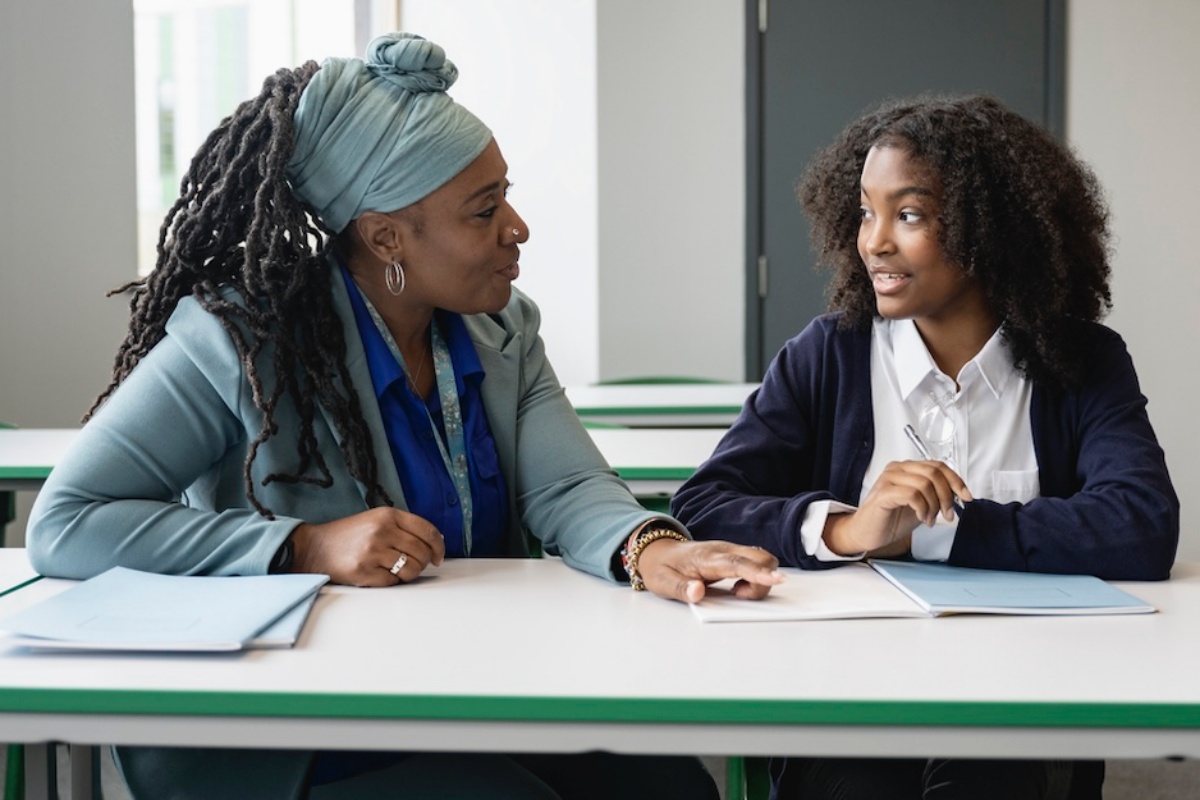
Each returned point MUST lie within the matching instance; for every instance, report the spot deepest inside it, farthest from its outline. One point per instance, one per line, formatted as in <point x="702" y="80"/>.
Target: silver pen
<point x="919" y="443"/>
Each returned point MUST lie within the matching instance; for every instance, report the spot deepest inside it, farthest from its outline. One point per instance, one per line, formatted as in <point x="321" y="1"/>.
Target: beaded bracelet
<point x="634" y="546"/>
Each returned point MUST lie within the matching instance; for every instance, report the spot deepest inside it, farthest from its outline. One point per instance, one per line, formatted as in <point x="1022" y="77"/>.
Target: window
<point x="196" y="60"/>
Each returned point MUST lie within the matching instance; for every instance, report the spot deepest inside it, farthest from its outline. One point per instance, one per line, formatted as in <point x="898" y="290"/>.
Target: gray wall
<point x="1133" y="89"/>
<point x="67" y="205"/>
<point x="671" y="195"/>
<point x="67" y="201"/>
<point x="670" y="82"/>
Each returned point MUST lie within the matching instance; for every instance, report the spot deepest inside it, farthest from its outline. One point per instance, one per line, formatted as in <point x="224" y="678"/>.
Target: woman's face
<point x="460" y="242"/>
<point x="898" y="242"/>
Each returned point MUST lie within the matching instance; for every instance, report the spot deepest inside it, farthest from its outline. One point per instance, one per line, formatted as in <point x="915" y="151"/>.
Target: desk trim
<point x="25" y="473"/>
<point x="20" y="585"/>
<point x="659" y="411"/>
<point x="654" y="473"/>
<point x="606" y="710"/>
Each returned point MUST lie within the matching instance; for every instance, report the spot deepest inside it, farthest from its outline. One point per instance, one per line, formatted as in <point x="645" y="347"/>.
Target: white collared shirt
<point x="989" y="441"/>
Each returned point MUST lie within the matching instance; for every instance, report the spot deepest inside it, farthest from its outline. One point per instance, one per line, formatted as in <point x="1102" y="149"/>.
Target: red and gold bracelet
<point x="637" y="542"/>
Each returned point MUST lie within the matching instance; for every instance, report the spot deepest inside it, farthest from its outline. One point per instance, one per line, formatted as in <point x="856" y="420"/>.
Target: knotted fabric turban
<point x="380" y="134"/>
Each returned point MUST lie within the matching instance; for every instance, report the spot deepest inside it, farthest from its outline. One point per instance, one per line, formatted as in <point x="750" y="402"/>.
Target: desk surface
<point x="512" y="654"/>
<point x="15" y="572"/>
<point x="662" y="405"/>
<point x="652" y="461"/>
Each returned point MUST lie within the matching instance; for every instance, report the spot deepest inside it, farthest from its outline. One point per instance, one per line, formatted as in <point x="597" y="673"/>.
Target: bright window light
<point x="196" y="60"/>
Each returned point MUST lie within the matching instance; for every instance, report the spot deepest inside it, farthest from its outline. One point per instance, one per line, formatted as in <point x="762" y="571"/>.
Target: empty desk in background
<point x="661" y="405"/>
<point x="28" y="454"/>
<point x="653" y="461"/>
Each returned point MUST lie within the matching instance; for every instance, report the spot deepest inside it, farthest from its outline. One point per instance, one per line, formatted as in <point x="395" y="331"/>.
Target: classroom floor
<point x="1126" y="780"/>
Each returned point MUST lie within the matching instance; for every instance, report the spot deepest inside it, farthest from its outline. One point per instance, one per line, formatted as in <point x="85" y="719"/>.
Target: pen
<point x="919" y="443"/>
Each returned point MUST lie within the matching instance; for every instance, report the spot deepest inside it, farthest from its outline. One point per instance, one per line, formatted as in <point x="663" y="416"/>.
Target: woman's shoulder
<point x="191" y="312"/>
<point x="203" y="336"/>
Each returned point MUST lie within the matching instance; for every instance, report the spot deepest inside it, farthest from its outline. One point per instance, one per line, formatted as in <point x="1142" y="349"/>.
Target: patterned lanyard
<point x="455" y="460"/>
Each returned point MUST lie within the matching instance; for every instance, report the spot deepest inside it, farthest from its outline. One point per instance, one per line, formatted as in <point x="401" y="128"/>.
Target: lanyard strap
<point x="455" y="459"/>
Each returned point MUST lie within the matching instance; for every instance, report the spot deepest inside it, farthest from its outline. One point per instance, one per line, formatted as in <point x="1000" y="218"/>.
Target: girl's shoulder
<point x="831" y="331"/>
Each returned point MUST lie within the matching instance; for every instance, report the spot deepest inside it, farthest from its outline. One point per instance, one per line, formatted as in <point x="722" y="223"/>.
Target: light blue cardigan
<point x="154" y="481"/>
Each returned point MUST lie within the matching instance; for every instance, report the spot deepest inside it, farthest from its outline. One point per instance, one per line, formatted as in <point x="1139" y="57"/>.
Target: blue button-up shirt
<point x="428" y="488"/>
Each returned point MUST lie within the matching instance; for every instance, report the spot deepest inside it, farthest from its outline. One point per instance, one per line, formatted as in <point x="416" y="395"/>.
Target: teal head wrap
<point x="380" y="134"/>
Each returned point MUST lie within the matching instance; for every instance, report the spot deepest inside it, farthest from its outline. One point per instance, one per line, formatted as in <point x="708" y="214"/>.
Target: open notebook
<point x="124" y="609"/>
<point x="919" y="589"/>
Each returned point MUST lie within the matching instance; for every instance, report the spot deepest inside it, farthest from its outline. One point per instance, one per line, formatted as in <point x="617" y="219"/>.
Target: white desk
<point x="15" y="572"/>
<point x="530" y="655"/>
<point x="653" y="461"/>
<point x="28" y="455"/>
<point x="689" y="405"/>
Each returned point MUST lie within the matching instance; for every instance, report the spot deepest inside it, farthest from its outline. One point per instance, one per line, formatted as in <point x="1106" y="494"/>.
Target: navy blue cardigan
<point x="1107" y="507"/>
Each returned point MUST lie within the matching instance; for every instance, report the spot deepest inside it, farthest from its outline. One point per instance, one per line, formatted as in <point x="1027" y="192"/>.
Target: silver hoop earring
<point x="393" y="273"/>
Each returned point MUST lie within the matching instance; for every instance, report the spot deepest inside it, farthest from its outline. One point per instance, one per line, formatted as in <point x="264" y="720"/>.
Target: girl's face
<point x="898" y="242"/>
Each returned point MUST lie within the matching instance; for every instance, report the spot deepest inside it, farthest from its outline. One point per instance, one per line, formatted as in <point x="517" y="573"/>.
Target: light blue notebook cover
<point x="125" y="609"/>
<point x="942" y="589"/>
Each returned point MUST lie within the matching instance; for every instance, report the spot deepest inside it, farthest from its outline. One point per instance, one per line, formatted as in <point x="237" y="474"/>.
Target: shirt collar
<point x="995" y="363"/>
<point x="913" y="361"/>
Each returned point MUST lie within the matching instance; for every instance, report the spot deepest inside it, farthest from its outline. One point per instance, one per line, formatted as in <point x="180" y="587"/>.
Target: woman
<point x="969" y="251"/>
<point x="329" y="371"/>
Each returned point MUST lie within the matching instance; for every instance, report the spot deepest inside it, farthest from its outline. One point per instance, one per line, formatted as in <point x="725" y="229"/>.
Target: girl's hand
<point x="361" y="550"/>
<point x="907" y="494"/>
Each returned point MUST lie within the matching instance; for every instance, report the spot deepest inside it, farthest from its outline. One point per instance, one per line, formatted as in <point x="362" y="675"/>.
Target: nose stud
<point x="516" y="231"/>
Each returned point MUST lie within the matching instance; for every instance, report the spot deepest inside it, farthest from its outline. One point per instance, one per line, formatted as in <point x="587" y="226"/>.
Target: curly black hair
<point x="238" y="225"/>
<point x="1018" y="211"/>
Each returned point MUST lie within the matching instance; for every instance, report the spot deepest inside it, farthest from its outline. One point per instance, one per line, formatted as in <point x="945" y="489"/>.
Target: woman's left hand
<point x="681" y="570"/>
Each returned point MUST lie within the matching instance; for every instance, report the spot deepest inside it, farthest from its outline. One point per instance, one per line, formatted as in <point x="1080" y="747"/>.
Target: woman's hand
<point x="907" y="494"/>
<point x="681" y="570"/>
<point x="362" y="549"/>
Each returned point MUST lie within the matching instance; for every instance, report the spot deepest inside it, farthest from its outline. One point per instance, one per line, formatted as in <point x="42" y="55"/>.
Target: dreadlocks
<point x="238" y="225"/>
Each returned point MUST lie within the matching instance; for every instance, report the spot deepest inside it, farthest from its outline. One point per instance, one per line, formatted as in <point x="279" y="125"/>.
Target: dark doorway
<point x="815" y="65"/>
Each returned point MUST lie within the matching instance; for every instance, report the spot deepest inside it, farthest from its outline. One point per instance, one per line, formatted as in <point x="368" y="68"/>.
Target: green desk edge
<point x="679" y="411"/>
<point x="654" y="473"/>
<point x="24" y="473"/>
<point x="21" y="585"/>
<point x="610" y="709"/>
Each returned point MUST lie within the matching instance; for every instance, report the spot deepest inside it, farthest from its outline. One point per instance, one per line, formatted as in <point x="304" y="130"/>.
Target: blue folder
<point x="942" y="589"/>
<point x="125" y="609"/>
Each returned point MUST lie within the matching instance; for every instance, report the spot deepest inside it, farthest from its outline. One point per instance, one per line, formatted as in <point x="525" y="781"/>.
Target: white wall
<point x="67" y="204"/>
<point x="1133" y="112"/>
<point x="671" y="77"/>
<point x="622" y="122"/>
<point x="527" y="68"/>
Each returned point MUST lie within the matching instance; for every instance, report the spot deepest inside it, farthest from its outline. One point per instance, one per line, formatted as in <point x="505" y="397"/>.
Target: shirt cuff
<point x="934" y="544"/>
<point x="812" y="530"/>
